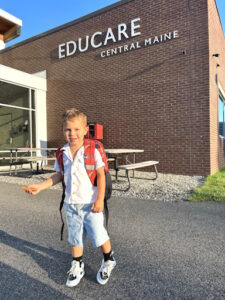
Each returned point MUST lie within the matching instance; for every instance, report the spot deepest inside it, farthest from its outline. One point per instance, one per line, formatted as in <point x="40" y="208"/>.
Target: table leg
<point x="134" y="163"/>
<point x="31" y="167"/>
<point x="129" y="162"/>
<point x="116" y="167"/>
<point x="16" y="164"/>
<point x="37" y="171"/>
<point x="10" y="170"/>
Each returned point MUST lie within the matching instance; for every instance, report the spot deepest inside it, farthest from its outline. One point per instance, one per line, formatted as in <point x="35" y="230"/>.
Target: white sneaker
<point x="76" y="272"/>
<point x="105" y="271"/>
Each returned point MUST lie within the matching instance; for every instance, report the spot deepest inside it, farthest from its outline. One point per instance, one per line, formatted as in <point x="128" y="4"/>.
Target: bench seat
<point x="30" y="160"/>
<point x="138" y="165"/>
<point x="41" y="158"/>
<point x="110" y="158"/>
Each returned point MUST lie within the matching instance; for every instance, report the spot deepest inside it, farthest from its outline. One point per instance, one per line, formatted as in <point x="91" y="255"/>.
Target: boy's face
<point x="74" y="131"/>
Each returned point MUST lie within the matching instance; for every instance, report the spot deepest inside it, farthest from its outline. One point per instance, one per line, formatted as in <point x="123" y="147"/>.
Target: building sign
<point x="123" y="32"/>
<point x="137" y="45"/>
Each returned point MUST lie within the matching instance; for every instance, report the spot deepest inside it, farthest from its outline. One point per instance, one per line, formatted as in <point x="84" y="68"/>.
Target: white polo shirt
<point x="79" y="189"/>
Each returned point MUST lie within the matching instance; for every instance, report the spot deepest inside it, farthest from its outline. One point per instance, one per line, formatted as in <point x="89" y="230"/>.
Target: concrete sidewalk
<point x="163" y="250"/>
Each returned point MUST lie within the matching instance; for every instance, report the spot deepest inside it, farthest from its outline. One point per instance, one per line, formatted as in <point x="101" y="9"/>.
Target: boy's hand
<point x="31" y="189"/>
<point x="34" y="189"/>
<point x="97" y="206"/>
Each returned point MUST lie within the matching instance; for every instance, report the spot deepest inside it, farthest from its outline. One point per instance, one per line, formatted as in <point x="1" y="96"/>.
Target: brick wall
<point x="216" y="45"/>
<point x="154" y="98"/>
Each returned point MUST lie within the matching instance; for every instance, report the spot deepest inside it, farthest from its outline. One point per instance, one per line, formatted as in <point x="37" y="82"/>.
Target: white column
<point x="41" y="120"/>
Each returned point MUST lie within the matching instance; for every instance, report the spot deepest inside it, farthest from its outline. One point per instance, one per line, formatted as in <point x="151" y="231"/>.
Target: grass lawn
<point x="212" y="190"/>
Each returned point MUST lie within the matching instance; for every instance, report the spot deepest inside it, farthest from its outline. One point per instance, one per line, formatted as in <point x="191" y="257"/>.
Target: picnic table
<point x="113" y="155"/>
<point x="32" y="155"/>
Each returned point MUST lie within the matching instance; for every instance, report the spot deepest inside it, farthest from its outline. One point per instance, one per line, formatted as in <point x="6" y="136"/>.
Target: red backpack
<point x="89" y="161"/>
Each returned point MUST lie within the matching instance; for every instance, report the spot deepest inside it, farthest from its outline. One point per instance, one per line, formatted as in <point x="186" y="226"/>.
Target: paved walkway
<point x="163" y="250"/>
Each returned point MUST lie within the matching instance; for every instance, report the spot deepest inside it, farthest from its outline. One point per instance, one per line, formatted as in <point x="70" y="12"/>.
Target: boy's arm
<point x="98" y="205"/>
<point x="36" y="188"/>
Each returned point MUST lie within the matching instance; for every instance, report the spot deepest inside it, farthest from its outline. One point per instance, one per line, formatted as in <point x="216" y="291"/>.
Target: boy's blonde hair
<point x="72" y="113"/>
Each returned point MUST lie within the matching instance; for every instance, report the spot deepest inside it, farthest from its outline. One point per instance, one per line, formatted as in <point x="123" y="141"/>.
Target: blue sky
<point x="42" y="15"/>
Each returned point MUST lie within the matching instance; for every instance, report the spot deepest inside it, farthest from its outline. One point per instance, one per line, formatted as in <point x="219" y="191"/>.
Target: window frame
<point x="31" y="101"/>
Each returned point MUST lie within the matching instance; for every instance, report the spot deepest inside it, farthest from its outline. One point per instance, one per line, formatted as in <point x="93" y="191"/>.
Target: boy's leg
<point x="107" y="252"/>
<point x="108" y="263"/>
<point x="77" y="251"/>
<point x="76" y="271"/>
<point x="106" y="247"/>
<point x="76" y="236"/>
<point x="94" y="225"/>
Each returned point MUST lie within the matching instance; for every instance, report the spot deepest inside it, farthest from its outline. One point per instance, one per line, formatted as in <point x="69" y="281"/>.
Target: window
<point x="17" y="117"/>
<point x="221" y="114"/>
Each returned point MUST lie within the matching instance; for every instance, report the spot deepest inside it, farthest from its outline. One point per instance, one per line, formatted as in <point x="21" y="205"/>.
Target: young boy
<point x="84" y="202"/>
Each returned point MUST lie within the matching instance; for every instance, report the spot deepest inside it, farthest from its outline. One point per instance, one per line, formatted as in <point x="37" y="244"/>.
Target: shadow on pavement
<point x="54" y="262"/>
<point x="17" y="285"/>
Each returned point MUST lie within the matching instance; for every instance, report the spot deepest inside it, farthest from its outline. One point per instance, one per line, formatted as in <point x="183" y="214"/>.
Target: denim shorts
<point x="82" y="221"/>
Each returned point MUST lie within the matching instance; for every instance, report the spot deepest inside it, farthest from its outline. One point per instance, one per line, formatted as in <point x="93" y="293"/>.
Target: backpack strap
<point x="89" y="160"/>
<point x="99" y="146"/>
<point x="59" y="157"/>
